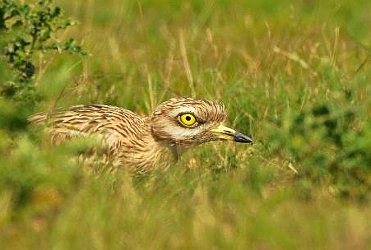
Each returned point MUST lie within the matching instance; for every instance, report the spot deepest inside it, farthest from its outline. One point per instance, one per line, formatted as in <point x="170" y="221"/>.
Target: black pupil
<point x="188" y="118"/>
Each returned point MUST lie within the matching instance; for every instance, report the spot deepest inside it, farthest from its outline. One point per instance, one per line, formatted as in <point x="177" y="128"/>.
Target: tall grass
<point x="293" y="74"/>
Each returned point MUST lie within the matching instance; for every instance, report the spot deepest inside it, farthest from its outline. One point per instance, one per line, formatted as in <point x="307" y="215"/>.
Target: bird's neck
<point x="151" y="152"/>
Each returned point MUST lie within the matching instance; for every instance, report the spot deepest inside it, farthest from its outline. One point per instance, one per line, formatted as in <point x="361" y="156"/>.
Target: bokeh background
<point x="293" y="74"/>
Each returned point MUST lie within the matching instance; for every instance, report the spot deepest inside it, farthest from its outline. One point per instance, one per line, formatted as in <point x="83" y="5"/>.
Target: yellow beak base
<point x="224" y="133"/>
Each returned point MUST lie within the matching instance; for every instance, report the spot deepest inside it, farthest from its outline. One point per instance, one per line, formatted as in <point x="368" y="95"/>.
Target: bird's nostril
<point x="228" y="132"/>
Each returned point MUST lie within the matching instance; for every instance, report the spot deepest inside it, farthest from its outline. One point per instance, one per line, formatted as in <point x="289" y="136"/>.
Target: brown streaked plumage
<point x="144" y="143"/>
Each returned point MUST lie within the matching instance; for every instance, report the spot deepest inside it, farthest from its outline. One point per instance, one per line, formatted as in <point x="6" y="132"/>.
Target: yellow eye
<point x="187" y="119"/>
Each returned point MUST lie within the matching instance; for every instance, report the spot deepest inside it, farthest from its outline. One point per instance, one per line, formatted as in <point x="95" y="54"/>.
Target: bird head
<point x="192" y="121"/>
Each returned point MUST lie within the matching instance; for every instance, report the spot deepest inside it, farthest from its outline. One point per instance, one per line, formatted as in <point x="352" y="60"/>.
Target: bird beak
<point x="225" y="133"/>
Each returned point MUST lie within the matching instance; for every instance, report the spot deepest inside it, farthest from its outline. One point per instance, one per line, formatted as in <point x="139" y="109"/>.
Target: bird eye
<point x="187" y="119"/>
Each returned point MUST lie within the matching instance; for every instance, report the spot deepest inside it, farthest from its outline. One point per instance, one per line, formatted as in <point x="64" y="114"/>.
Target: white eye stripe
<point x="182" y="110"/>
<point x="179" y="133"/>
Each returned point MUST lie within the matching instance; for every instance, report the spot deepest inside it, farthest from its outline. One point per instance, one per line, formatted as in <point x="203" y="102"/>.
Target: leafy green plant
<point x="327" y="148"/>
<point x="31" y="28"/>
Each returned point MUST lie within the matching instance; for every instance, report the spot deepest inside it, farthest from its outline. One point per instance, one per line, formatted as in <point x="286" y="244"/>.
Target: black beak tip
<point x="239" y="137"/>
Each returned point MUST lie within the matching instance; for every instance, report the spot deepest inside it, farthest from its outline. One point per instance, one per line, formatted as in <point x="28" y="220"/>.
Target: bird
<point x="143" y="143"/>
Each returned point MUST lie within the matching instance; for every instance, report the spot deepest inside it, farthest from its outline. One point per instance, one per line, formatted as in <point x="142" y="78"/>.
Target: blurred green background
<point x="293" y="74"/>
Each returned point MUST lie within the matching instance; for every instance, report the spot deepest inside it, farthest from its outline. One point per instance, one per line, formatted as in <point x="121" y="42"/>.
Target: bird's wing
<point x="115" y="124"/>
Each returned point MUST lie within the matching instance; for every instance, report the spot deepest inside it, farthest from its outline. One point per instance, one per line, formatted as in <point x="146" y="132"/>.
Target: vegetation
<point x="293" y="74"/>
<point x="30" y="29"/>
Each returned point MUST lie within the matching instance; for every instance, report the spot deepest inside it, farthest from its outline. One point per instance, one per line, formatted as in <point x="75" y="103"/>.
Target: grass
<point x="293" y="74"/>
